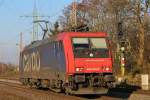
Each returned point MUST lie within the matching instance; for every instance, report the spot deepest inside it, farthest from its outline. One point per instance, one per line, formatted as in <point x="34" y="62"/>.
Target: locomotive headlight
<point x="107" y="69"/>
<point x="91" y="55"/>
<point x="79" y="69"/>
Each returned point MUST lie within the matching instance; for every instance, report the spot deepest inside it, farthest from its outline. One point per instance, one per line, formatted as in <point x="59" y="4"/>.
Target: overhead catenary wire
<point x="8" y="44"/>
<point x="35" y="17"/>
<point x="41" y="16"/>
<point x="26" y="31"/>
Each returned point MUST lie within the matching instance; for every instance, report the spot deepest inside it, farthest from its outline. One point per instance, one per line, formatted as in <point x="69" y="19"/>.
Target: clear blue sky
<point x="11" y="24"/>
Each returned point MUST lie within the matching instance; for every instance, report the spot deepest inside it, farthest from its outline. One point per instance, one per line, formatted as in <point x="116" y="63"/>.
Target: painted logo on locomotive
<point x="31" y="62"/>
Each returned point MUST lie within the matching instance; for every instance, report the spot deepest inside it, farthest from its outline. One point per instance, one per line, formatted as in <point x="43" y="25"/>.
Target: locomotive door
<point x="60" y="57"/>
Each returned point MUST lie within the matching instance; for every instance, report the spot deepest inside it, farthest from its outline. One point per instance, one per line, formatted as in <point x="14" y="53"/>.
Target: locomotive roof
<point x="60" y="37"/>
<point x="39" y="42"/>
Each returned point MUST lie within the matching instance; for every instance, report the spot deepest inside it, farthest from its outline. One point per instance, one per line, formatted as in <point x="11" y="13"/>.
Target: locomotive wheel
<point x="110" y="85"/>
<point x="23" y="81"/>
<point x="38" y="84"/>
<point x="68" y="91"/>
<point x="30" y="83"/>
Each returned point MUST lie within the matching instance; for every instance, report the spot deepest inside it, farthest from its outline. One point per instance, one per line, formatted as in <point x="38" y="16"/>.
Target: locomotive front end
<point x="92" y="62"/>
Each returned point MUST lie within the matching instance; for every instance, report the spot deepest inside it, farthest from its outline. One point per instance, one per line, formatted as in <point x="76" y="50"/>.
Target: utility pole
<point x="73" y="16"/>
<point x="35" y="16"/>
<point x="74" y="13"/>
<point x="21" y="42"/>
<point x="1" y="58"/>
<point x="18" y="55"/>
<point x="19" y="49"/>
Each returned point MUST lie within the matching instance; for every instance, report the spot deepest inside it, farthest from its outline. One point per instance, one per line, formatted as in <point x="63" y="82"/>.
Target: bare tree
<point x="104" y="16"/>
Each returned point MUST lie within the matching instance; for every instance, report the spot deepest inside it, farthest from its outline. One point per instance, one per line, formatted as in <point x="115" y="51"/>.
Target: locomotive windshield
<point x="90" y="48"/>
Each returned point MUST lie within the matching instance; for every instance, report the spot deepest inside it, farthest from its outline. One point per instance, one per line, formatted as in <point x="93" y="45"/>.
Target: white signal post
<point x="122" y="61"/>
<point x="122" y="65"/>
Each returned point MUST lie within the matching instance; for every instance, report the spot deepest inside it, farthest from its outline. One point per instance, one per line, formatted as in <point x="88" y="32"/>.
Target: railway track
<point x="33" y="94"/>
<point x="15" y="89"/>
<point x="28" y="93"/>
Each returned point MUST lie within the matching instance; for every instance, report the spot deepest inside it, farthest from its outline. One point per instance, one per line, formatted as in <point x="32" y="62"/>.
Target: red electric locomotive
<point x="73" y="62"/>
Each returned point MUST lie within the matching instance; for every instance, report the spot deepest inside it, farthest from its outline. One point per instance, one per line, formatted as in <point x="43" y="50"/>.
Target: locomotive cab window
<point x="80" y="43"/>
<point x="90" y="48"/>
<point x="98" y="43"/>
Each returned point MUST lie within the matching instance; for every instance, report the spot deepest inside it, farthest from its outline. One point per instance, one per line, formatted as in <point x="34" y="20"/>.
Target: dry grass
<point x="10" y="75"/>
<point x="9" y="96"/>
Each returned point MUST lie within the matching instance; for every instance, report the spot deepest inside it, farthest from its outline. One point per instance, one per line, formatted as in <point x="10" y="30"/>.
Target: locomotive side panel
<point x="30" y="63"/>
<point x="43" y="62"/>
<point x="52" y="61"/>
<point x="83" y="58"/>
